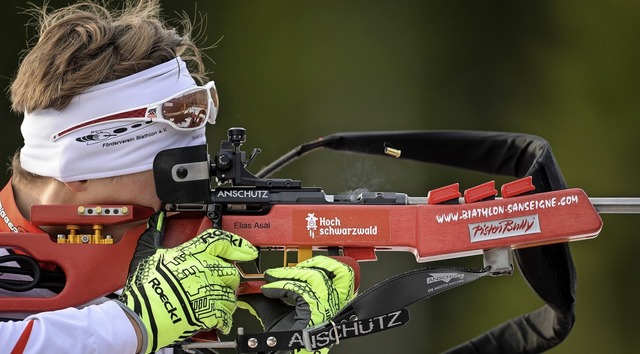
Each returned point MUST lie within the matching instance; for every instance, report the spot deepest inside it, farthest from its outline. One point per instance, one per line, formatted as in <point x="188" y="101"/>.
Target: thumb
<point x="149" y="241"/>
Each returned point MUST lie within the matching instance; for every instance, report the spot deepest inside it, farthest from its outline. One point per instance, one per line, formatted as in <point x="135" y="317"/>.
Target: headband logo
<point x="102" y="135"/>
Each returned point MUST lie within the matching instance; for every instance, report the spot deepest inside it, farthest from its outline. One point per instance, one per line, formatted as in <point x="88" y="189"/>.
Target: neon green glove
<point x="319" y="287"/>
<point x="179" y="291"/>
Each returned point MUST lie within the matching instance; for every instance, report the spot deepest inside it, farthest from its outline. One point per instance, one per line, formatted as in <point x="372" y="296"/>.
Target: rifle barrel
<point x="616" y="205"/>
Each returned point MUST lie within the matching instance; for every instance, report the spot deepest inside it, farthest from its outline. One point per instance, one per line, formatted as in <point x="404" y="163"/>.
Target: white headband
<point x="109" y="149"/>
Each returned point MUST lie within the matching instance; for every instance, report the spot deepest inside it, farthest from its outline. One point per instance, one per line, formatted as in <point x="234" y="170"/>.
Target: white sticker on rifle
<point x="496" y="229"/>
<point x="505" y="207"/>
<point x="312" y="224"/>
<point x="362" y="224"/>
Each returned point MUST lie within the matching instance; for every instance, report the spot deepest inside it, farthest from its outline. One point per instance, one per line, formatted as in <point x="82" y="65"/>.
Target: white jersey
<point x="100" y="328"/>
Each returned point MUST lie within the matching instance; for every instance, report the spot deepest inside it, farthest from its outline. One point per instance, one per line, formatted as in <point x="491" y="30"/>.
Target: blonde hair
<point x="22" y="177"/>
<point x="87" y="43"/>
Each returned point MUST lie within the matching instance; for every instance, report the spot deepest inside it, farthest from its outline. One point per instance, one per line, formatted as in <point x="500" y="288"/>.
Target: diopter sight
<point x="183" y="175"/>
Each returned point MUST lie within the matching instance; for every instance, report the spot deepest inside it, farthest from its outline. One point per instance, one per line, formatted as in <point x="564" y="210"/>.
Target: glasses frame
<point x="152" y="113"/>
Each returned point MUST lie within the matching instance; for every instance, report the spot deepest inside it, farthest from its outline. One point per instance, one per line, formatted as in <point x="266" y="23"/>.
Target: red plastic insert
<point x="480" y="192"/>
<point x="517" y="187"/>
<point x="443" y="194"/>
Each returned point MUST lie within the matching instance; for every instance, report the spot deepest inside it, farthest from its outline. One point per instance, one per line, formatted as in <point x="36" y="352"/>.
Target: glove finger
<point x="225" y="319"/>
<point x="151" y="238"/>
<point x="341" y="275"/>
<point x="156" y="221"/>
<point x="227" y="245"/>
<point x="149" y="241"/>
<point x="224" y="305"/>
<point x="225" y="272"/>
<point x="303" y="285"/>
<point x="317" y="278"/>
<point x="333" y="266"/>
<point x="308" y="308"/>
<point x="200" y="269"/>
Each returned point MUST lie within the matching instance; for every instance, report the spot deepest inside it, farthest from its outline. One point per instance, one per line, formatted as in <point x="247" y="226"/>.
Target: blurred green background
<point x="291" y="71"/>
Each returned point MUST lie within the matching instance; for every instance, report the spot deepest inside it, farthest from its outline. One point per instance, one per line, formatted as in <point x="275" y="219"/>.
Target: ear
<point x="77" y="186"/>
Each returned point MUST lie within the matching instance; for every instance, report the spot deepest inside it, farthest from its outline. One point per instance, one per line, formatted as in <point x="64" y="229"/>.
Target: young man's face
<point x="133" y="189"/>
<point x="137" y="189"/>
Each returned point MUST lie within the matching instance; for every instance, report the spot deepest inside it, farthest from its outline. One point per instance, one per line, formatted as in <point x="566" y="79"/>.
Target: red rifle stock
<point x="429" y="231"/>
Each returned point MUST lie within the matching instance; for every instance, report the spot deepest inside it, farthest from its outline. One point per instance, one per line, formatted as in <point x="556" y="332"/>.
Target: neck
<point x="48" y="191"/>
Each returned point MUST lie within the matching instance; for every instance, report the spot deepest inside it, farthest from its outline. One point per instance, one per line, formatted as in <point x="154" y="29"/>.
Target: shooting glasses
<point x="189" y="109"/>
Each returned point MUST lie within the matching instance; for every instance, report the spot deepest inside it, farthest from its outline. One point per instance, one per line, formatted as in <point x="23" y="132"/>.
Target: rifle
<point x="534" y="218"/>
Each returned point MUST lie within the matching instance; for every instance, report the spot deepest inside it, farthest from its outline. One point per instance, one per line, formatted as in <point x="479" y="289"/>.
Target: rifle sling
<point x="548" y="269"/>
<point x="379" y="308"/>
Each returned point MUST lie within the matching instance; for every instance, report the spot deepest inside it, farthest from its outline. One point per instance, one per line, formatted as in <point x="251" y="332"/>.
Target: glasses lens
<point x="188" y="110"/>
